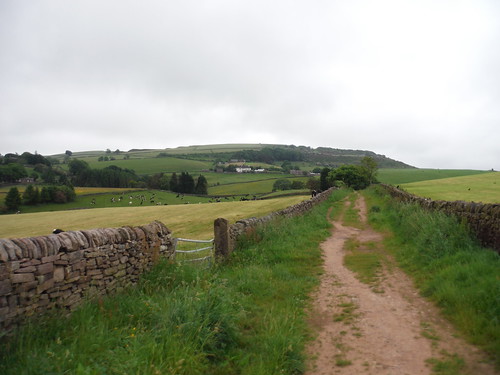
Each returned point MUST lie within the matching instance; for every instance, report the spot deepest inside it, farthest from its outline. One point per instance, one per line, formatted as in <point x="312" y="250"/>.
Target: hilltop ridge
<point x="265" y="153"/>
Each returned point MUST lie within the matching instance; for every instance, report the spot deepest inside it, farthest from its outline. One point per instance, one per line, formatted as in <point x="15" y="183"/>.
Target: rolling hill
<point x="203" y="157"/>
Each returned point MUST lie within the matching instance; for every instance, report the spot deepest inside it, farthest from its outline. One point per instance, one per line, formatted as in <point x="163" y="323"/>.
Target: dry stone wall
<point x="246" y="226"/>
<point x="60" y="270"/>
<point x="483" y="219"/>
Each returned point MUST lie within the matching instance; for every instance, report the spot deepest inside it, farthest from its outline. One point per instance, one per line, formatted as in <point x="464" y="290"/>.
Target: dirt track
<point x="378" y="328"/>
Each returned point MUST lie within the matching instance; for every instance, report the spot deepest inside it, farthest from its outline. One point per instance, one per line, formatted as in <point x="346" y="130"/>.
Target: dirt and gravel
<point x="384" y="327"/>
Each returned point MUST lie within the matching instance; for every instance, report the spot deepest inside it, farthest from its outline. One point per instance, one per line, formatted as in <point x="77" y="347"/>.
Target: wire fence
<point x="196" y="255"/>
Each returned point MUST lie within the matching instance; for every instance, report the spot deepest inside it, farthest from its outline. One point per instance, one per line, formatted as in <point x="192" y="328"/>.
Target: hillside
<point x="199" y="157"/>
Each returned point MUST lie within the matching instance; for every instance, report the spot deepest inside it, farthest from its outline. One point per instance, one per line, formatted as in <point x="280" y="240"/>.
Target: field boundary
<point x="226" y="236"/>
<point x="482" y="218"/>
<point x="38" y="274"/>
<point x="59" y="271"/>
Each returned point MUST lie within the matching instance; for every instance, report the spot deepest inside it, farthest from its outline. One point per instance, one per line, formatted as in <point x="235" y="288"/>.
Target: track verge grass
<point x="245" y="316"/>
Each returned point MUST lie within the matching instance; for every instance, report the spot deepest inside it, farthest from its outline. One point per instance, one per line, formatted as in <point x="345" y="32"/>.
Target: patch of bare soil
<point x="389" y="329"/>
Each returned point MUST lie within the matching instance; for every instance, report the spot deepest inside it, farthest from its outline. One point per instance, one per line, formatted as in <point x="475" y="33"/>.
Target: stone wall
<point x="483" y="219"/>
<point x="245" y="226"/>
<point x="59" y="270"/>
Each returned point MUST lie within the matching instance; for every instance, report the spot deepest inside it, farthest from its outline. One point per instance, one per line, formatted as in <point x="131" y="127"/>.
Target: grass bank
<point x="243" y="317"/>
<point x="448" y="265"/>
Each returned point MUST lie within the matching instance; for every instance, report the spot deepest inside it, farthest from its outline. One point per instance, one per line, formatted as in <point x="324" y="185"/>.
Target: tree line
<point x="356" y="177"/>
<point x="33" y="196"/>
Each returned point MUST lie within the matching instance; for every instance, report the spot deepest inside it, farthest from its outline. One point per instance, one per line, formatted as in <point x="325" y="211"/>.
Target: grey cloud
<point x="415" y="81"/>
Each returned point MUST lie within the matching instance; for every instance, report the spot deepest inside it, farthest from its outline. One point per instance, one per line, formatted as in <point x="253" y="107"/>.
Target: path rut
<point x="386" y="328"/>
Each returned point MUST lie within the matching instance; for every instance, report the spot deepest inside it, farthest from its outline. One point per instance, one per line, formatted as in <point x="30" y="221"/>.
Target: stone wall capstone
<point x="60" y="270"/>
<point x="483" y="219"/>
<point x="245" y="226"/>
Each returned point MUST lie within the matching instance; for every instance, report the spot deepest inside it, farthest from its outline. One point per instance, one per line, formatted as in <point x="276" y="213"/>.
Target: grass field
<point x="191" y="221"/>
<point x="478" y="188"/>
<point x="154" y="165"/>
<point x="171" y="151"/>
<point x="214" y="179"/>
<point x="127" y="198"/>
<point x="245" y="316"/>
<point x="404" y="176"/>
<point x="251" y="187"/>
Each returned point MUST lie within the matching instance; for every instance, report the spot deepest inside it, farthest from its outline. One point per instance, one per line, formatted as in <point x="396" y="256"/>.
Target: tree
<point x="174" y="183"/>
<point x="164" y="182"/>
<point x="186" y="183"/>
<point x="313" y="184"/>
<point x="76" y="167"/>
<point x="352" y="176"/>
<point x="12" y="172"/>
<point x="282" y="184"/>
<point x="201" y="186"/>
<point x="31" y="195"/>
<point x="68" y="153"/>
<point x="369" y="168"/>
<point x="286" y="166"/>
<point x="296" y="185"/>
<point x="323" y="179"/>
<point x="13" y="199"/>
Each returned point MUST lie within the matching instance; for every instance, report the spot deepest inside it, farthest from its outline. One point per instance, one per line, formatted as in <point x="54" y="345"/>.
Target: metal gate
<point x="208" y="251"/>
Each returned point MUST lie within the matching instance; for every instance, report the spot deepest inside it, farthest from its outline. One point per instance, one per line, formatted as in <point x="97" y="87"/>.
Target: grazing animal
<point x="57" y="231"/>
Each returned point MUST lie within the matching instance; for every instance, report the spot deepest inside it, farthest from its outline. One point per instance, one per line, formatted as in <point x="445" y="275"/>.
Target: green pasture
<point x="153" y="165"/>
<point x="406" y="175"/>
<point x="250" y="187"/>
<point x="185" y="220"/>
<point x="286" y="192"/>
<point x="214" y="179"/>
<point x="202" y="149"/>
<point x="129" y="198"/>
<point x="149" y="153"/>
<point x="483" y="187"/>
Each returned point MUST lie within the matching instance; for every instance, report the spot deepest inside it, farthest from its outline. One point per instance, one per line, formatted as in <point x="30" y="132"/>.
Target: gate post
<point x="221" y="238"/>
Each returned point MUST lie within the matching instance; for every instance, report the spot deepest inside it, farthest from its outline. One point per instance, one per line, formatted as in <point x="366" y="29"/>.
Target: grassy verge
<point x="448" y="265"/>
<point x="244" y="317"/>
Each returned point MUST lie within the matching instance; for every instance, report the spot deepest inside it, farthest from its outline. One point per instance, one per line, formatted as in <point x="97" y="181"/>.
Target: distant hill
<point x="259" y="153"/>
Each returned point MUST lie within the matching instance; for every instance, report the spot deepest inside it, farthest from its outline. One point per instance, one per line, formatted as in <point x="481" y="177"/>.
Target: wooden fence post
<point x="221" y="238"/>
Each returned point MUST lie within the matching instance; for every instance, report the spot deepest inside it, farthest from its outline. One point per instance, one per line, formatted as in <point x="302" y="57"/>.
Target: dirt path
<point x="380" y="327"/>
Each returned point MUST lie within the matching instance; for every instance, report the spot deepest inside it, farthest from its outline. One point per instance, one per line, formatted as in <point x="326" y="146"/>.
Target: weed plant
<point x="245" y="316"/>
<point x="448" y="264"/>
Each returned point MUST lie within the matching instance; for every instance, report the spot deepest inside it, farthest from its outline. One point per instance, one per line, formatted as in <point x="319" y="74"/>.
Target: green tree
<point x="45" y="195"/>
<point x="352" y="176"/>
<point x="286" y="166"/>
<point x="186" y="183"/>
<point x="31" y="195"/>
<point x="313" y="183"/>
<point x="369" y="168"/>
<point x="76" y="167"/>
<point x="323" y="179"/>
<point x="296" y="185"/>
<point x="282" y="184"/>
<point x="12" y="172"/>
<point x="201" y="186"/>
<point x="164" y="182"/>
<point x="13" y="199"/>
<point x="174" y="183"/>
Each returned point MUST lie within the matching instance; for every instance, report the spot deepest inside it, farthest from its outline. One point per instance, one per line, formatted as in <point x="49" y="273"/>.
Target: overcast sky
<point x="415" y="80"/>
